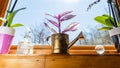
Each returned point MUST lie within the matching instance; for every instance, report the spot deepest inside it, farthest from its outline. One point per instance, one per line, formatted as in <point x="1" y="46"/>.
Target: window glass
<point x="34" y="17"/>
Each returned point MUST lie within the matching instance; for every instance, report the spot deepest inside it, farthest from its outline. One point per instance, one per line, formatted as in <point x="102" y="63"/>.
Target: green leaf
<point x="108" y="17"/>
<point x="105" y="20"/>
<point x="105" y="28"/>
<point x="11" y="15"/>
<point x="118" y="24"/>
<point x="16" y="25"/>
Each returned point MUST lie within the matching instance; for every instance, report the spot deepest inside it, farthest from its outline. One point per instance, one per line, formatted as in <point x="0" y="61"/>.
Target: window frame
<point x="4" y="6"/>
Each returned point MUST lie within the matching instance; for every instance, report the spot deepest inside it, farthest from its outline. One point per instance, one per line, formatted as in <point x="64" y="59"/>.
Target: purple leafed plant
<point x="61" y="18"/>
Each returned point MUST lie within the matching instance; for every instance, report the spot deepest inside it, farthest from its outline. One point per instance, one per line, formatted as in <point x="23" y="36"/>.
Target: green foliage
<point x="16" y="25"/>
<point x="107" y="21"/>
<point x="105" y="28"/>
<point x="11" y="16"/>
<point x="8" y="22"/>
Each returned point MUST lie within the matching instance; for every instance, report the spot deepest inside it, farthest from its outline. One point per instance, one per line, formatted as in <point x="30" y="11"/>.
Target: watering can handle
<point x="47" y="39"/>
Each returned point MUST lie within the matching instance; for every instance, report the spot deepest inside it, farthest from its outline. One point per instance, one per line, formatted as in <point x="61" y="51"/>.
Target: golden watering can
<point x="60" y="42"/>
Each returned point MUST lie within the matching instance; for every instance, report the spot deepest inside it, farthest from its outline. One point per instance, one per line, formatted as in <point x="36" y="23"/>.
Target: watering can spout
<point x="80" y="36"/>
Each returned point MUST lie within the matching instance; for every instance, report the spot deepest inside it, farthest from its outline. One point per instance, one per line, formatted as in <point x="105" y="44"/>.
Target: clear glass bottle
<point x="25" y="47"/>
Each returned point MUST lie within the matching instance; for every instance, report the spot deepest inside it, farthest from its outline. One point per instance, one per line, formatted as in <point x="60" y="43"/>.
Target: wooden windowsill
<point x="74" y="50"/>
<point x="59" y="61"/>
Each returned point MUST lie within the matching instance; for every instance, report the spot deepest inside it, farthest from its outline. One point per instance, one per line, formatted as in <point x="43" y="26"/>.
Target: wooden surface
<point x="3" y="8"/>
<point x="21" y="61"/>
<point x="83" y="61"/>
<point x="118" y="4"/>
<point x="79" y="57"/>
<point x="87" y="49"/>
<point x="60" y="61"/>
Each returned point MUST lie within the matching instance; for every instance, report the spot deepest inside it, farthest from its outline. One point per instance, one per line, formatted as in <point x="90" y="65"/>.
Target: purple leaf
<point x="71" y="27"/>
<point x="51" y="15"/>
<point x="46" y="25"/>
<point x="67" y="17"/>
<point x="58" y="16"/>
<point x="53" y="30"/>
<point x="65" y="13"/>
<point x="54" y="23"/>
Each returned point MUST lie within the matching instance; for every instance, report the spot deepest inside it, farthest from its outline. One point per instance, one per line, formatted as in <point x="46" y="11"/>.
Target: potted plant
<point x="7" y="30"/>
<point x="60" y="42"/>
<point x="113" y="28"/>
<point x="111" y="22"/>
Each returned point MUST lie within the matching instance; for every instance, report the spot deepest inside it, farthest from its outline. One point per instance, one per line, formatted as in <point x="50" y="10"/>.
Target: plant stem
<point x="59" y="26"/>
<point x="113" y="12"/>
<point x="110" y="16"/>
<point x="117" y="11"/>
<point x="14" y="5"/>
<point x="95" y="2"/>
<point x="10" y="3"/>
<point x="5" y="24"/>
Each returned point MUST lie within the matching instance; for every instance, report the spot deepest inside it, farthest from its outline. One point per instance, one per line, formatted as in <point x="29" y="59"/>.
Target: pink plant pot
<point x="6" y="36"/>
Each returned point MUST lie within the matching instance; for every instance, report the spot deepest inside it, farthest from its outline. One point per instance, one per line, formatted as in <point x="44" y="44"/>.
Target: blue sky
<point x="36" y="9"/>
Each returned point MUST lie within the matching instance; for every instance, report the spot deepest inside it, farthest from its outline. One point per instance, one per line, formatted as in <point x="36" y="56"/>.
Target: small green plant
<point x="9" y="20"/>
<point x="107" y="21"/>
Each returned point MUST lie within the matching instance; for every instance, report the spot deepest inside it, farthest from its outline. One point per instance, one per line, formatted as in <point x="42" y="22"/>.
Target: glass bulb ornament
<point x="99" y="49"/>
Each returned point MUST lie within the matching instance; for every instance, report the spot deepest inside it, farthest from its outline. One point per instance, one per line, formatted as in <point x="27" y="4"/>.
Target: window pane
<point x="34" y="17"/>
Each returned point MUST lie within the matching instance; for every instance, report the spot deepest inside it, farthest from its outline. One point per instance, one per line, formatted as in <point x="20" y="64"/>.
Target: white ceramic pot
<point x="114" y="31"/>
<point x="115" y="35"/>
